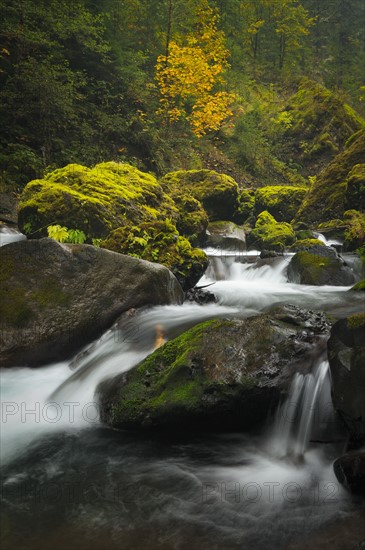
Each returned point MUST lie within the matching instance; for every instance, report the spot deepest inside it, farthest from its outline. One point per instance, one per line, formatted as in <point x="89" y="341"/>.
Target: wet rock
<point x="350" y="472"/>
<point x="319" y="265"/>
<point x="222" y="374"/>
<point x="56" y="298"/>
<point x="200" y="296"/>
<point x="226" y="236"/>
<point x="346" y="355"/>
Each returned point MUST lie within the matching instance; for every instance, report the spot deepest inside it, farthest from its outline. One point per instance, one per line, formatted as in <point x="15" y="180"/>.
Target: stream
<point x="70" y="482"/>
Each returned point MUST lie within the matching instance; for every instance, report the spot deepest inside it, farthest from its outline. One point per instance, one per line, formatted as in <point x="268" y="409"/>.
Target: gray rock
<point x="226" y="235"/>
<point x="55" y="298"/>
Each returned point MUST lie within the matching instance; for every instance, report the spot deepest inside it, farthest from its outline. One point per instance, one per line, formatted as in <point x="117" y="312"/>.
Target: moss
<point x="50" y="294"/>
<point x="356" y="321"/>
<point x="355" y="229"/>
<point x="95" y="200"/>
<point x="359" y="286"/>
<point x="268" y="233"/>
<point x="306" y="243"/>
<point x="355" y="192"/>
<point x="328" y="197"/>
<point x="191" y="220"/>
<point x="164" y="379"/>
<point x="15" y="306"/>
<point x="159" y="241"/>
<point x="315" y="269"/>
<point x="217" y="192"/>
<point x="280" y="201"/>
<point x="321" y="124"/>
<point x="245" y="205"/>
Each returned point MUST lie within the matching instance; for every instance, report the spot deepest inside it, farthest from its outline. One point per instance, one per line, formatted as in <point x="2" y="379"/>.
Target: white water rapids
<point x="260" y="491"/>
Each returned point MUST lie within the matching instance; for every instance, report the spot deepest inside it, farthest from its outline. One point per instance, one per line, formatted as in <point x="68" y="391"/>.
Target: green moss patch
<point x="268" y="233"/>
<point x="94" y="200"/>
<point x="217" y="192"/>
<point x="280" y="201"/>
<point x="159" y="241"/>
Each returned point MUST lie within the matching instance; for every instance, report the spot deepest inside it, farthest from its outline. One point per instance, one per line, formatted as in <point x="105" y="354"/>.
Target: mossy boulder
<point x="281" y="201"/>
<point x="245" y="205"/>
<point x="220" y="375"/>
<point x="159" y="241"/>
<point x="217" y="192"/>
<point x="305" y="244"/>
<point x="320" y="123"/>
<point x="319" y="265"/>
<point x="328" y="197"/>
<point x="94" y="200"/>
<point x="270" y="234"/>
<point x="226" y="235"/>
<point x="191" y="219"/>
<point x="55" y="298"/>
<point x="346" y="355"/>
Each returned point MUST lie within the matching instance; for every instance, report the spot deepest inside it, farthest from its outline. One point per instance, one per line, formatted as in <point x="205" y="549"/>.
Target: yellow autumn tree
<point x="191" y="73"/>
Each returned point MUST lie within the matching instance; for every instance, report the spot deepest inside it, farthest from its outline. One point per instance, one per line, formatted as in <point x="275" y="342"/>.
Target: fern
<point x="76" y="236"/>
<point x="58" y="233"/>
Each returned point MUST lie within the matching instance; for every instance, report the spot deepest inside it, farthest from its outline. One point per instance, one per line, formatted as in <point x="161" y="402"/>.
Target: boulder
<point x="281" y="201"/>
<point x="350" y="471"/>
<point x="95" y="200"/>
<point x="217" y="192"/>
<point x="245" y="205"/>
<point x="55" y="298"/>
<point x="219" y="375"/>
<point x="346" y="355"/>
<point x="319" y="265"/>
<point x="270" y="234"/>
<point x="226" y="235"/>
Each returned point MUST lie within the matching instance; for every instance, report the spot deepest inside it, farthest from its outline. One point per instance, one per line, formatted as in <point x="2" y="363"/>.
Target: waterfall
<point x="328" y="242"/>
<point x="306" y="412"/>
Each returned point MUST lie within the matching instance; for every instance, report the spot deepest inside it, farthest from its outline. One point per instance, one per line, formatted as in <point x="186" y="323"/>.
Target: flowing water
<point x="70" y="482"/>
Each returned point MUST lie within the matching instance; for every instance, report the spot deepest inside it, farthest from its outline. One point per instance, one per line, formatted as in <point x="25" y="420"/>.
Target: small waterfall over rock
<point x="306" y="413"/>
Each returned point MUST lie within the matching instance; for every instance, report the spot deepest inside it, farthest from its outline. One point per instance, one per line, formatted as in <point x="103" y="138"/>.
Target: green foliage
<point x="64" y="235"/>
<point x="57" y="233"/>
<point x="76" y="236"/>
